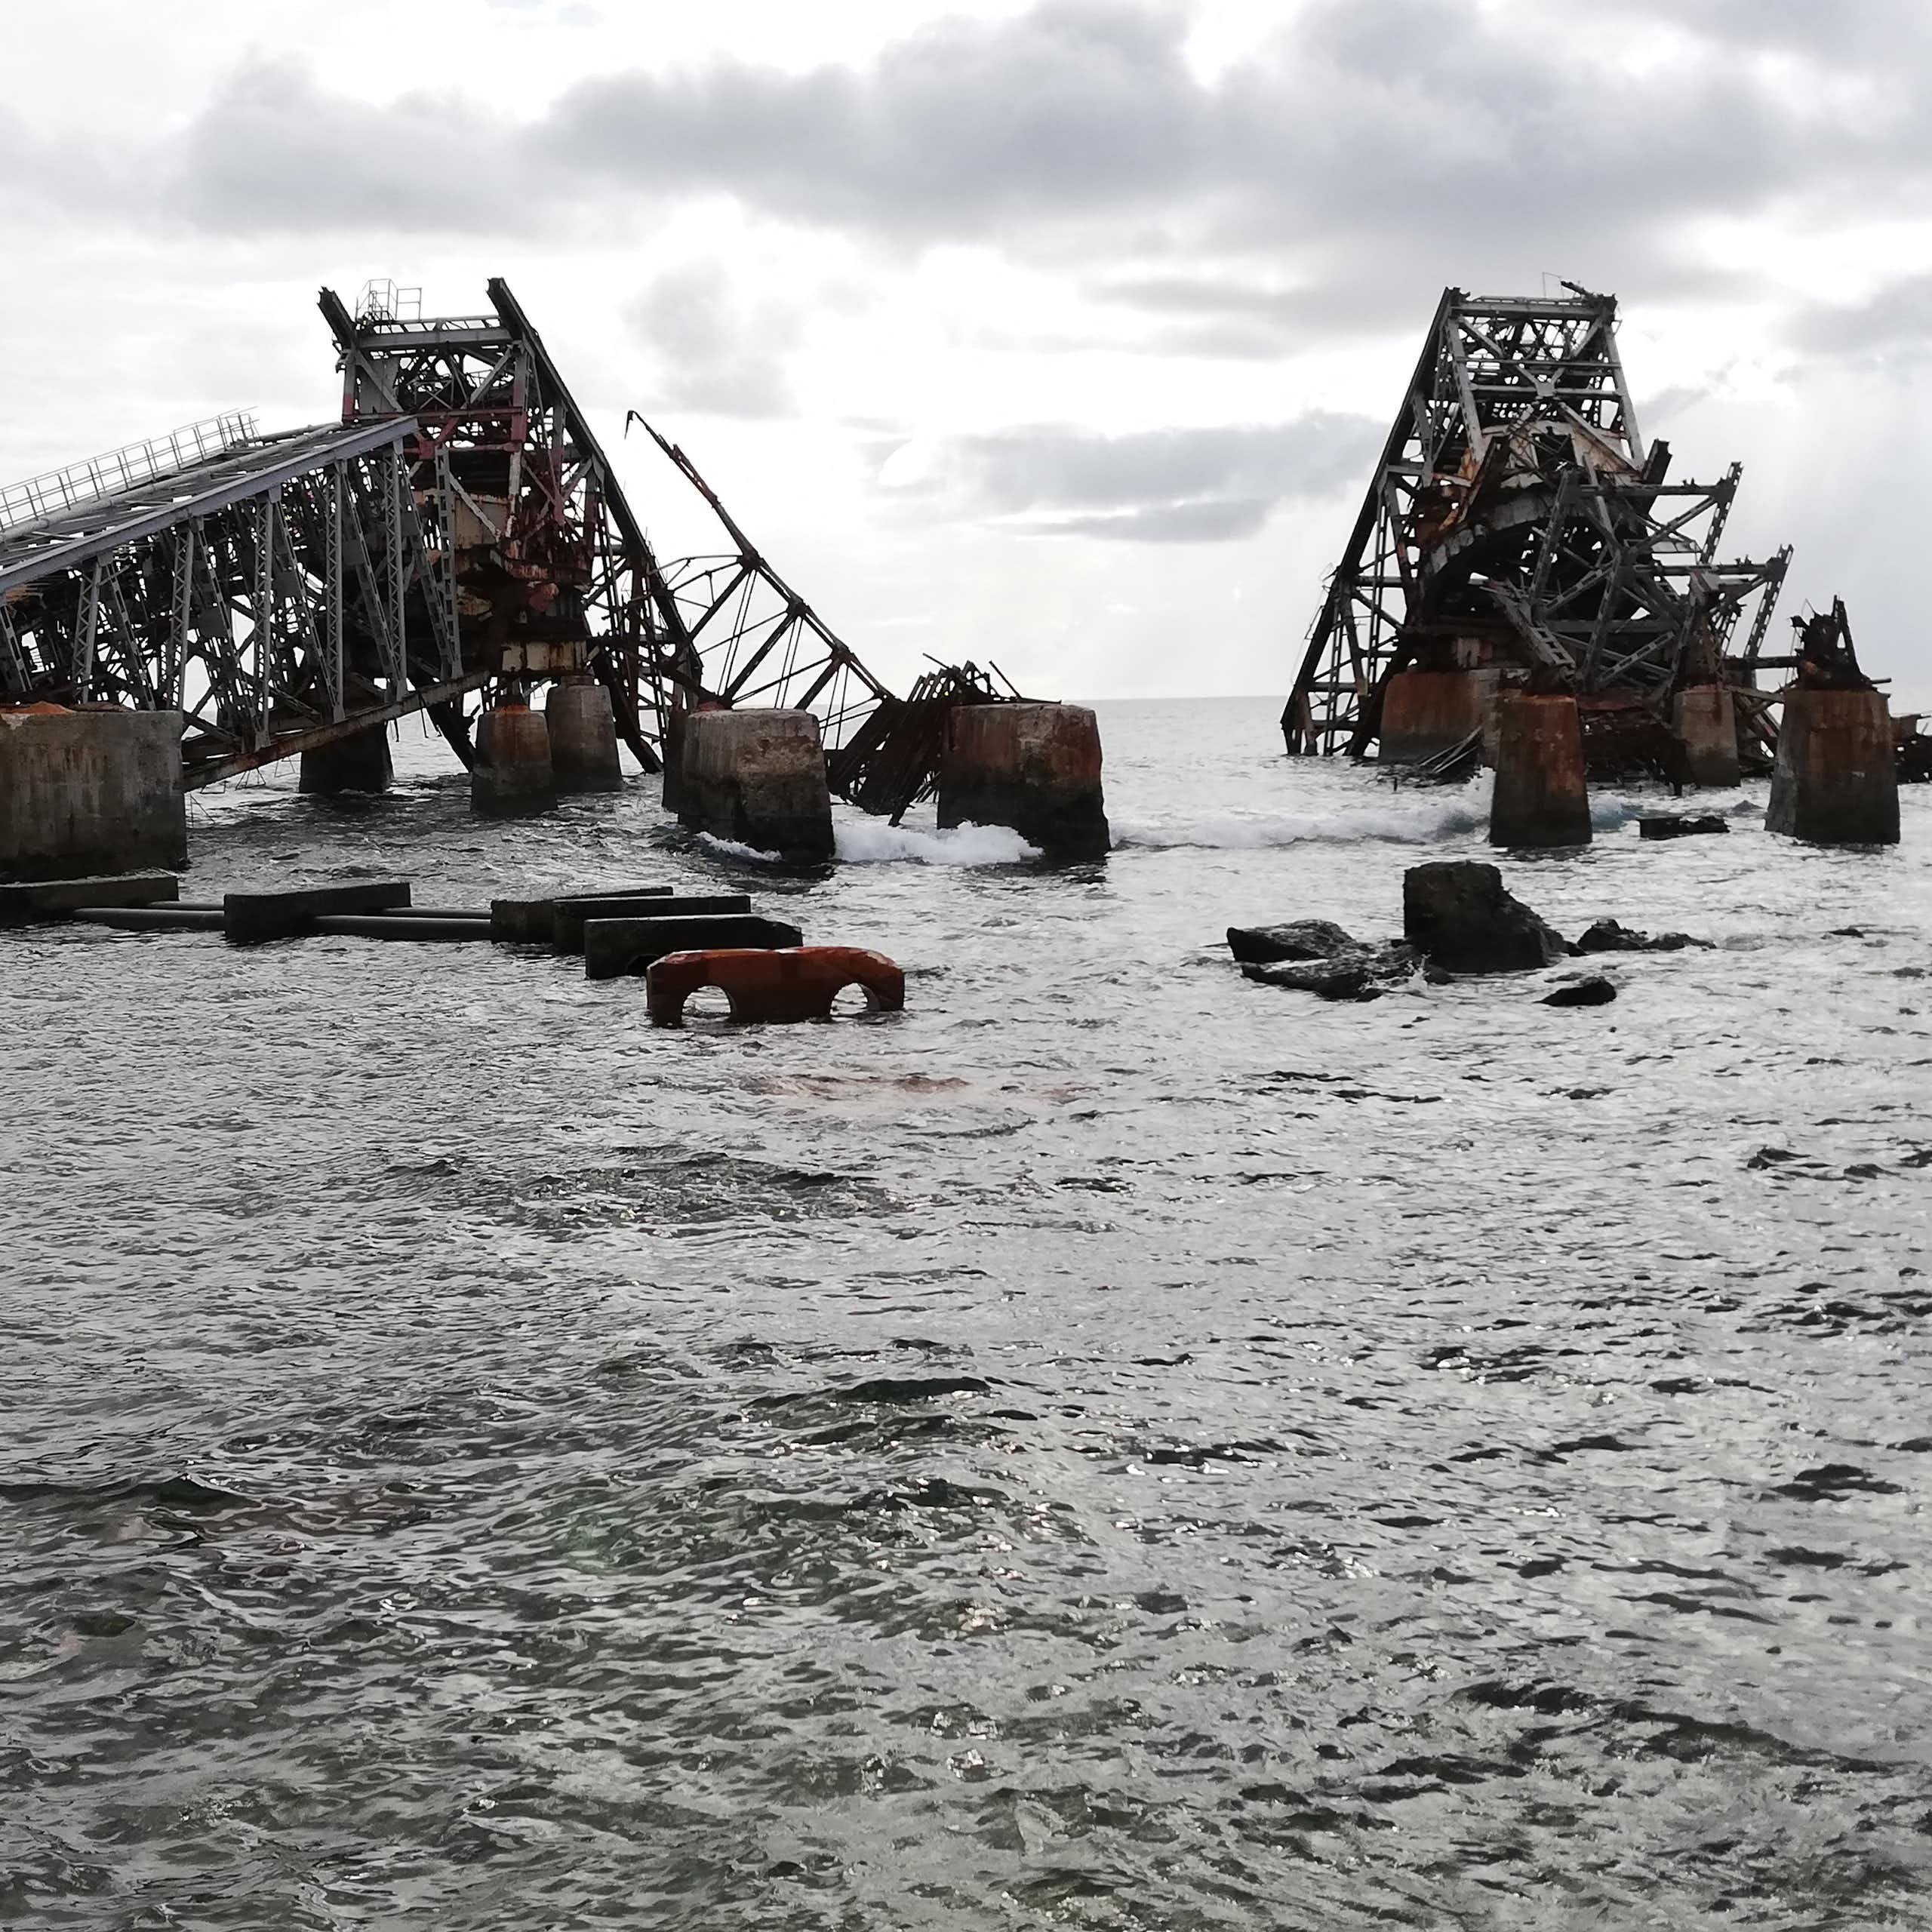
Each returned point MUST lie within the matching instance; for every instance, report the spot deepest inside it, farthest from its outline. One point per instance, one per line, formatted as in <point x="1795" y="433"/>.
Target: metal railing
<point x="41" y="496"/>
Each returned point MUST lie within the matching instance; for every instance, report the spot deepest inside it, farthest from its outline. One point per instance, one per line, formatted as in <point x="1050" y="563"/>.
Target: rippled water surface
<point x="1115" y="1446"/>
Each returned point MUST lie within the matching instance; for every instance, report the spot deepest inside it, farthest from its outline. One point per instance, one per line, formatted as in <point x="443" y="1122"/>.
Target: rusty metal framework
<point x="279" y="591"/>
<point x="459" y="531"/>
<point x="1516" y="518"/>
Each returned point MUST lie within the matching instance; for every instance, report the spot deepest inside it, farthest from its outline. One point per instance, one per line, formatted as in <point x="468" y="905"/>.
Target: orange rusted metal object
<point x="789" y="982"/>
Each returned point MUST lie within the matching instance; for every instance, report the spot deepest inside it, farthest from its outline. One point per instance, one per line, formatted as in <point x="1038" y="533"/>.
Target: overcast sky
<point x="1061" y="334"/>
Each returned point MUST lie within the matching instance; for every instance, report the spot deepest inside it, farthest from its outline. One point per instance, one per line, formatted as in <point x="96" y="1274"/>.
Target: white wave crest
<point x="730" y="848"/>
<point x="1419" y="817"/>
<point x="871" y="842"/>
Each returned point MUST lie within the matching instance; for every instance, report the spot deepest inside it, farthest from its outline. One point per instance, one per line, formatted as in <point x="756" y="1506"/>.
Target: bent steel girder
<point x="1516" y="517"/>
<point x="755" y="640"/>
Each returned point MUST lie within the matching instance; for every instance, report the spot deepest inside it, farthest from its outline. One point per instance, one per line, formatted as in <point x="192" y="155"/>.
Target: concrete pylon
<point x="583" y="736"/>
<point x="1705" y="717"/>
<point x="360" y="762"/>
<point x="86" y="792"/>
<point x="513" y="771"/>
<point x="1835" y="781"/>
<point x="1035" y="767"/>
<point x="1424" y="712"/>
<point x="1541" y="798"/>
<point x="759" y="778"/>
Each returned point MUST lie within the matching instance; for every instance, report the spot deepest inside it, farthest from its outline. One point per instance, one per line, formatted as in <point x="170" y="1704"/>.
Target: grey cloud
<point x="273" y="152"/>
<point x="1893" y="326"/>
<point x="1220" y="520"/>
<point x="958" y="127"/>
<point x="1372" y="151"/>
<point x="1195" y="484"/>
<point x="718" y="352"/>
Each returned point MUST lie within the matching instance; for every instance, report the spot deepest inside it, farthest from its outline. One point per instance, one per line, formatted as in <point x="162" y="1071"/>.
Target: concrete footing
<point x="583" y="736"/>
<point x="512" y="772"/>
<point x="1035" y="767"/>
<point x="1540" y="797"/>
<point x="1835" y="781"/>
<point x="756" y="777"/>
<point x="1705" y="720"/>
<point x="1424" y="712"/>
<point x="357" y="763"/>
<point x="90" y="791"/>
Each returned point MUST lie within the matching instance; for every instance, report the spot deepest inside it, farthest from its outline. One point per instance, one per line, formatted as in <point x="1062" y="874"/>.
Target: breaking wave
<point x="731" y="849"/>
<point x="872" y="843"/>
<point x="1418" y="817"/>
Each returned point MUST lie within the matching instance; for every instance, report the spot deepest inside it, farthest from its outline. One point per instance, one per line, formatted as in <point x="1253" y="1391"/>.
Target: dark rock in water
<point x="1456" y="912"/>
<point x="1438" y="975"/>
<point x="1610" y="935"/>
<point x="1363" y="972"/>
<point x="1594" y="991"/>
<point x="1299" y="939"/>
<point x="1680" y="825"/>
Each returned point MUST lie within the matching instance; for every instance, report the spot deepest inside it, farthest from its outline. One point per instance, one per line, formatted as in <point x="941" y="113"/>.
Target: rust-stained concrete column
<point x="1835" y="782"/>
<point x="583" y="736"/>
<point x="1540" y="797"/>
<point x="1426" y="711"/>
<point x="513" y="771"/>
<point x="93" y="791"/>
<point x="357" y="763"/>
<point x="756" y="777"/>
<point x="1035" y="767"/>
<point x="1704" y="718"/>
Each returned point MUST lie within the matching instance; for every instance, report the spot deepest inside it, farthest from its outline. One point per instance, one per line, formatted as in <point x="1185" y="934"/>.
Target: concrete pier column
<point x="756" y="777"/>
<point x="1835" y="781"/>
<point x="1035" y="767"/>
<point x="357" y="763"/>
<point x="1705" y="721"/>
<point x="87" y="791"/>
<point x="583" y="736"/>
<point x="1540" y="797"/>
<point x="1424" y="712"/>
<point x="512" y="770"/>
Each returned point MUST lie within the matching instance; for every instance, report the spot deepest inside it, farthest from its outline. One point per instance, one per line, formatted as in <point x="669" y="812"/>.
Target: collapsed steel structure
<point x="459" y="533"/>
<point x="1517" y="518"/>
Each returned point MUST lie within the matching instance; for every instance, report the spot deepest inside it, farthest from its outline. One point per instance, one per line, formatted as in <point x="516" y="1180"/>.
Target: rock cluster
<point x="1458" y="914"/>
<point x="1457" y="918"/>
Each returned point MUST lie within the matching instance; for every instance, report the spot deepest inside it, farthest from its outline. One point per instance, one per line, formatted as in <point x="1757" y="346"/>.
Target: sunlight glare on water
<point x="1115" y="1445"/>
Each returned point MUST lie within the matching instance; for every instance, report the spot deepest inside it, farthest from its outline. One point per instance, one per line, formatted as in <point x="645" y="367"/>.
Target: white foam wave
<point x="870" y="842"/>
<point x="731" y="849"/>
<point x="1419" y="817"/>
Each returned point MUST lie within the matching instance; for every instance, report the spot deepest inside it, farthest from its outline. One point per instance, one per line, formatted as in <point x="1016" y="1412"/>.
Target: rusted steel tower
<point x="1518" y="523"/>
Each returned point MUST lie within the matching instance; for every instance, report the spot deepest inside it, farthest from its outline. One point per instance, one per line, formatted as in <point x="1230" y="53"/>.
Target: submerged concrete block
<point x="572" y="915"/>
<point x="1704" y="718"/>
<point x="758" y="777"/>
<point x="1835" y="781"/>
<point x="612" y="947"/>
<point x="249" y="917"/>
<point x="1035" y="767"/>
<point x="360" y="762"/>
<point x="512" y="772"/>
<point x="151" y="918"/>
<point x="97" y="791"/>
<point x="583" y="736"/>
<point x="1540" y="797"/>
<point x="58" y="898"/>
